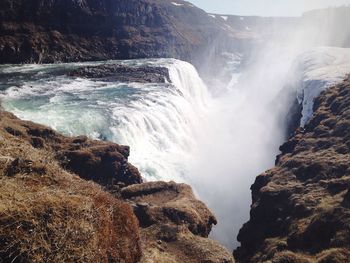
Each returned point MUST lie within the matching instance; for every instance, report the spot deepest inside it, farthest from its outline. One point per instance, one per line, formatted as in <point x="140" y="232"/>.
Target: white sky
<point x="265" y="7"/>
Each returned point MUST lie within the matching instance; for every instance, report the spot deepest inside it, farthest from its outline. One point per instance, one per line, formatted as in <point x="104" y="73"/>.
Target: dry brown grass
<point x="334" y="255"/>
<point x="290" y="257"/>
<point x="50" y="215"/>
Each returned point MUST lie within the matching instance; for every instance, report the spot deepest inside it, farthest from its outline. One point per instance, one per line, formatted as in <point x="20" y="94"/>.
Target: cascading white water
<point x="241" y="140"/>
<point x="158" y="120"/>
<point x="161" y="127"/>
<point x="177" y="131"/>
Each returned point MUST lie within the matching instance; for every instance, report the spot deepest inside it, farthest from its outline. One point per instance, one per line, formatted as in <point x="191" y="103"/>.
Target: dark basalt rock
<point x="293" y="118"/>
<point x="304" y="201"/>
<point x="80" y="30"/>
<point x="124" y="73"/>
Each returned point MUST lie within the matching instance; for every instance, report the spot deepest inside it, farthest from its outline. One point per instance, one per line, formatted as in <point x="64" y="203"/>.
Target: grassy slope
<point x="50" y="215"/>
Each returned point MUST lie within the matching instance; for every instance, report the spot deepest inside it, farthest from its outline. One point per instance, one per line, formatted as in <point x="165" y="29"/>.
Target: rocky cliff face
<point x="102" y="162"/>
<point x="174" y="224"/>
<point x="77" y="30"/>
<point x="300" y="210"/>
<point x="48" y="214"/>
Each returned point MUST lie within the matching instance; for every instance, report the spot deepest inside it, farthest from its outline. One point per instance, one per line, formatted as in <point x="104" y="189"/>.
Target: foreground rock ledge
<point x="301" y="208"/>
<point x="174" y="224"/>
<point x="49" y="214"/>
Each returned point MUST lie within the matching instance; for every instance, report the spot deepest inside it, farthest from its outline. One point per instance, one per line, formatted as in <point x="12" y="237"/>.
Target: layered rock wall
<point x="300" y="210"/>
<point x="71" y="30"/>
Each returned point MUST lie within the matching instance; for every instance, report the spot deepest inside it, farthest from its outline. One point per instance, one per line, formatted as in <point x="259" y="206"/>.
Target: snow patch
<point x="317" y="70"/>
<point x="177" y="4"/>
<point x="224" y="17"/>
<point x="213" y="16"/>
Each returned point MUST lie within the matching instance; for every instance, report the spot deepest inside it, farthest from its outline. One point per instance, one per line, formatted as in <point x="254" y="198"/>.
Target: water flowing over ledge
<point x="157" y="120"/>
<point x="215" y="138"/>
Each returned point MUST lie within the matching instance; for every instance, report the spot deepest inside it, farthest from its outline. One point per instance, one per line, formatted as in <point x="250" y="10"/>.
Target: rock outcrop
<point x="48" y="214"/>
<point x="78" y="30"/>
<point x="102" y="162"/>
<point x="300" y="210"/>
<point x="174" y="224"/>
<point x="116" y="72"/>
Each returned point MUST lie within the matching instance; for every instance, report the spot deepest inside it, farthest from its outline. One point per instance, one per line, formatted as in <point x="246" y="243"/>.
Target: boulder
<point x="174" y="224"/>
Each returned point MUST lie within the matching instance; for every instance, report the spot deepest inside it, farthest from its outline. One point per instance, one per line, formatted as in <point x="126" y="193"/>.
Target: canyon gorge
<point x="153" y="131"/>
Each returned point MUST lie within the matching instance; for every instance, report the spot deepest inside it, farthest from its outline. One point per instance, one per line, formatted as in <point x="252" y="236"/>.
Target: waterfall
<point x="161" y="127"/>
<point x="158" y="120"/>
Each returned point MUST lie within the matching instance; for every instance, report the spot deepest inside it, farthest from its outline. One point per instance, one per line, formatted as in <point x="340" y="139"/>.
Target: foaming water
<point x="158" y="120"/>
<point x="176" y="131"/>
<point x="217" y="142"/>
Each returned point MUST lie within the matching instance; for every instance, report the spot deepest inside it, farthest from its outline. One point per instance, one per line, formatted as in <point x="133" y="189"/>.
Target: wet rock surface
<point x="124" y="73"/>
<point x="300" y="210"/>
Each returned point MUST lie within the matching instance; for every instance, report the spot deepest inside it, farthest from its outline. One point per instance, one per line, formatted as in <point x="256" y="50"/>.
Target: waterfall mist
<point x="216" y="135"/>
<point x="246" y="123"/>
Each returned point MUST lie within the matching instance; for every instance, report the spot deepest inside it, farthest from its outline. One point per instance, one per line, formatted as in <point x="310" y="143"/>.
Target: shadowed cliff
<point x="71" y="30"/>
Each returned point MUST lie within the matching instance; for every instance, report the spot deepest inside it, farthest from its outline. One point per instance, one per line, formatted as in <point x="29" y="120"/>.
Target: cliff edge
<point x="48" y="214"/>
<point x="300" y="210"/>
<point x="80" y="30"/>
<point x="79" y="200"/>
